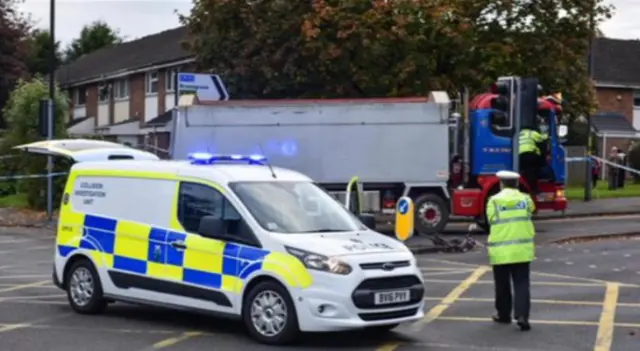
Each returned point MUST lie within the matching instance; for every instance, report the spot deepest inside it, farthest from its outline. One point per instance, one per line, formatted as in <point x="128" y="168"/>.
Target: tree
<point x="354" y="48"/>
<point x="14" y="30"/>
<point x="40" y="52"/>
<point x="93" y="37"/>
<point x="22" y="114"/>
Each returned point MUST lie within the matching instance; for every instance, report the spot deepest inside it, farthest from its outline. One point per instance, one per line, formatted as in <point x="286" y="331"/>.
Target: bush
<point x="22" y="114"/>
<point x="634" y="160"/>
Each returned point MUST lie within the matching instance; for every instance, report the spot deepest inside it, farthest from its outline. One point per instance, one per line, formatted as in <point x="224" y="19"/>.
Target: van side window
<point x="197" y="200"/>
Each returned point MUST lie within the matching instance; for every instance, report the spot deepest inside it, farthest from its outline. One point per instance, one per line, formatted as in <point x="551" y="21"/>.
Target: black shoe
<point x="501" y="320"/>
<point x="523" y="324"/>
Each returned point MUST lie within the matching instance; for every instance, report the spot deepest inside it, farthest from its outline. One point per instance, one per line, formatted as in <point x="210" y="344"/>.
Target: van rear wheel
<point x="84" y="290"/>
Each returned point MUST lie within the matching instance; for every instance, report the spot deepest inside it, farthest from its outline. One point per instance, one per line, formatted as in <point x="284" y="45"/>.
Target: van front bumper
<point x="326" y="307"/>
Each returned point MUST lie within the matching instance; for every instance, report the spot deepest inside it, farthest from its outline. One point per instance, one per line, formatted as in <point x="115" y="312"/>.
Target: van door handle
<point x="179" y="245"/>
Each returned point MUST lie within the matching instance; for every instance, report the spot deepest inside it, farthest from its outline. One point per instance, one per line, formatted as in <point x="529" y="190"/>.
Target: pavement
<point x="585" y="297"/>
<point x="547" y="231"/>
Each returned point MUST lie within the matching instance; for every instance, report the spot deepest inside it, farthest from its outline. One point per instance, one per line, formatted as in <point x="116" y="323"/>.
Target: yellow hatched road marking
<point x="172" y="341"/>
<point x="451" y="298"/>
<point x="452" y="281"/>
<point x="607" y="318"/>
<point x="541" y="301"/>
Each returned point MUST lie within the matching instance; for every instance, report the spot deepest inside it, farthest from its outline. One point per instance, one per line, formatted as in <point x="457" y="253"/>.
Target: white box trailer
<point x="395" y="146"/>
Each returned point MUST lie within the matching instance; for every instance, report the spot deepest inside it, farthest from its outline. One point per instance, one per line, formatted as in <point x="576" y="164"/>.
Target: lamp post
<point x="588" y="172"/>
<point x="51" y="106"/>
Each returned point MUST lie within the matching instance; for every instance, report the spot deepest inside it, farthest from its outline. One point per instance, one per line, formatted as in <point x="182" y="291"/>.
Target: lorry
<point x="395" y="146"/>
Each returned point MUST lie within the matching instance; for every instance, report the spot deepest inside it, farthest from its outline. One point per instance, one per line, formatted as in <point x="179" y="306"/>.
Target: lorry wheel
<point x="270" y="315"/>
<point x="432" y="214"/>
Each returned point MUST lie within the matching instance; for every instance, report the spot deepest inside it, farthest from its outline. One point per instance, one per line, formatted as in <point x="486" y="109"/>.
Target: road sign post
<point x="405" y="218"/>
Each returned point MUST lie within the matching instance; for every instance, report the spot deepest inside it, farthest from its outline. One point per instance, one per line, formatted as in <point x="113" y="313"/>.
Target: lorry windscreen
<point x="295" y="207"/>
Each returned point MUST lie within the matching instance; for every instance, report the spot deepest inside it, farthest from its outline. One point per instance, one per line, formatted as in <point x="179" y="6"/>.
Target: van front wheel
<point x="84" y="290"/>
<point x="269" y="314"/>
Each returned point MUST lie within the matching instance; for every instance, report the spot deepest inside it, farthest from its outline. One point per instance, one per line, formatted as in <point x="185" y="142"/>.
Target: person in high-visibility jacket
<point x="531" y="158"/>
<point x="511" y="249"/>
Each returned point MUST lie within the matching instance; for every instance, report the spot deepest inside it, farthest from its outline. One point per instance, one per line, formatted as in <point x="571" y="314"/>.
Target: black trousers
<point x="530" y="164"/>
<point x="503" y="275"/>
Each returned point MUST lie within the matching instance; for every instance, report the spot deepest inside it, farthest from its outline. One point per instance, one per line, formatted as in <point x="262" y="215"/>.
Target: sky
<point x="137" y="18"/>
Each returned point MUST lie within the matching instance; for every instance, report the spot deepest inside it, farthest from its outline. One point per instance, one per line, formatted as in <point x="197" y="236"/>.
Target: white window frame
<point x="170" y="79"/>
<point x="636" y="98"/>
<point x="76" y="96"/>
<point x="121" y="89"/>
<point x="105" y="96"/>
<point x="151" y="78"/>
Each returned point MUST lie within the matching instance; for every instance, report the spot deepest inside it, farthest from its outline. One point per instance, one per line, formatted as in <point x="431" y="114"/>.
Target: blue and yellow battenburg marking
<point x="141" y="249"/>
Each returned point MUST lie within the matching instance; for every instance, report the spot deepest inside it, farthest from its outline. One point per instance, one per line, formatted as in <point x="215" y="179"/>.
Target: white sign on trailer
<point x="208" y="87"/>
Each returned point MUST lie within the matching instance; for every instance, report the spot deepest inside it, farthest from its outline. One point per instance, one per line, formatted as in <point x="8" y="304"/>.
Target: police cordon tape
<point x="32" y="176"/>
<point x="607" y="162"/>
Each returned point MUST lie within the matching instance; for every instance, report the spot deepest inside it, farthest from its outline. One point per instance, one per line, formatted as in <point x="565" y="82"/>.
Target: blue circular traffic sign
<point x="403" y="206"/>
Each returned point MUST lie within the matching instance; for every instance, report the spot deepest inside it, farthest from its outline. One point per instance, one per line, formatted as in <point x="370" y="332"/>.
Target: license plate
<point x="391" y="297"/>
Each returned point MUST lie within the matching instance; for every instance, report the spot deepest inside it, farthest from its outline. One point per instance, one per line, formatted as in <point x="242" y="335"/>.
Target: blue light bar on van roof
<point x="205" y="158"/>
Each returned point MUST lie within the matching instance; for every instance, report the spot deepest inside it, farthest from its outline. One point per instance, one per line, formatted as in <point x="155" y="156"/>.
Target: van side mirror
<point x="369" y="220"/>
<point x="212" y="227"/>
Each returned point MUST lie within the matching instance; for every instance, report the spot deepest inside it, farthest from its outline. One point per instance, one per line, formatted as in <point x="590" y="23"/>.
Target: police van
<point x="229" y="235"/>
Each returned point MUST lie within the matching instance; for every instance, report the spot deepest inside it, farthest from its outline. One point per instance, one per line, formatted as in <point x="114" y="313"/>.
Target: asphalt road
<point x="584" y="294"/>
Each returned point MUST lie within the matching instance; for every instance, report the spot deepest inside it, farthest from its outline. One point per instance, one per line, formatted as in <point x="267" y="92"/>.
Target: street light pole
<point x="51" y="113"/>
<point x="588" y="172"/>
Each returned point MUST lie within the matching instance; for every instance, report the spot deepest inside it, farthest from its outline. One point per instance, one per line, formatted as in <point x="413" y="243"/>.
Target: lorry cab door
<point x="86" y="150"/>
<point x="354" y="196"/>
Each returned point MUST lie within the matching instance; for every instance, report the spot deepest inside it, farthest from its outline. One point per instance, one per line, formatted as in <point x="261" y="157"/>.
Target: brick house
<point x="617" y="80"/>
<point x="122" y="93"/>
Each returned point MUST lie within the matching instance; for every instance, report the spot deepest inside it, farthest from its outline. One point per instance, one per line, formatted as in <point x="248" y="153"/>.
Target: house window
<point x="636" y="98"/>
<point x="80" y="96"/>
<point x="121" y="89"/>
<point x="103" y="93"/>
<point x="152" y="82"/>
<point x="170" y="78"/>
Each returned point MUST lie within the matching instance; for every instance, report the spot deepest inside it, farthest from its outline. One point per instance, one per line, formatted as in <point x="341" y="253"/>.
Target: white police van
<point x="229" y="235"/>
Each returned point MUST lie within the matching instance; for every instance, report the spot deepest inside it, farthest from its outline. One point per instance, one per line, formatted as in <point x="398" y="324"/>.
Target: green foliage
<point x="93" y="37"/>
<point x="634" y="160"/>
<point x="14" y="30"/>
<point x="40" y="52"/>
<point x="21" y="112"/>
<point x="355" y="48"/>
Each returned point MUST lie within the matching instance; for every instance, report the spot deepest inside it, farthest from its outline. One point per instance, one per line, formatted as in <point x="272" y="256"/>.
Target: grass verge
<point x="602" y="191"/>
<point x="14" y="201"/>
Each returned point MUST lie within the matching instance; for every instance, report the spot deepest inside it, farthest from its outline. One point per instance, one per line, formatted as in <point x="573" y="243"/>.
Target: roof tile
<point x="151" y="50"/>
<point x="616" y="61"/>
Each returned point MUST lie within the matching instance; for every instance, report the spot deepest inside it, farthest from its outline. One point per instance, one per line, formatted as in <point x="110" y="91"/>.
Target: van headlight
<point x="320" y="262"/>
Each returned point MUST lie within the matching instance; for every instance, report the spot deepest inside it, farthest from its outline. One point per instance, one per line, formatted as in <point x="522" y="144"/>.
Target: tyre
<point x="84" y="290"/>
<point x="269" y="314"/>
<point x="432" y="214"/>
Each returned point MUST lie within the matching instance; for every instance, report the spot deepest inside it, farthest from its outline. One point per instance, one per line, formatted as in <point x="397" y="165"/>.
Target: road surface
<point x="585" y="295"/>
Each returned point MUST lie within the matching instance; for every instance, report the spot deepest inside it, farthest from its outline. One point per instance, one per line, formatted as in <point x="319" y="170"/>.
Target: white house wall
<point x="80" y="112"/>
<point x="150" y="107"/>
<point x="103" y="114"/>
<point x="121" y="111"/>
<point x="636" y="118"/>
<point x="169" y="102"/>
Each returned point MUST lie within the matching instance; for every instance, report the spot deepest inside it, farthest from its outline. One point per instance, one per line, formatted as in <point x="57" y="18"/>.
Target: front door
<point x="214" y="269"/>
